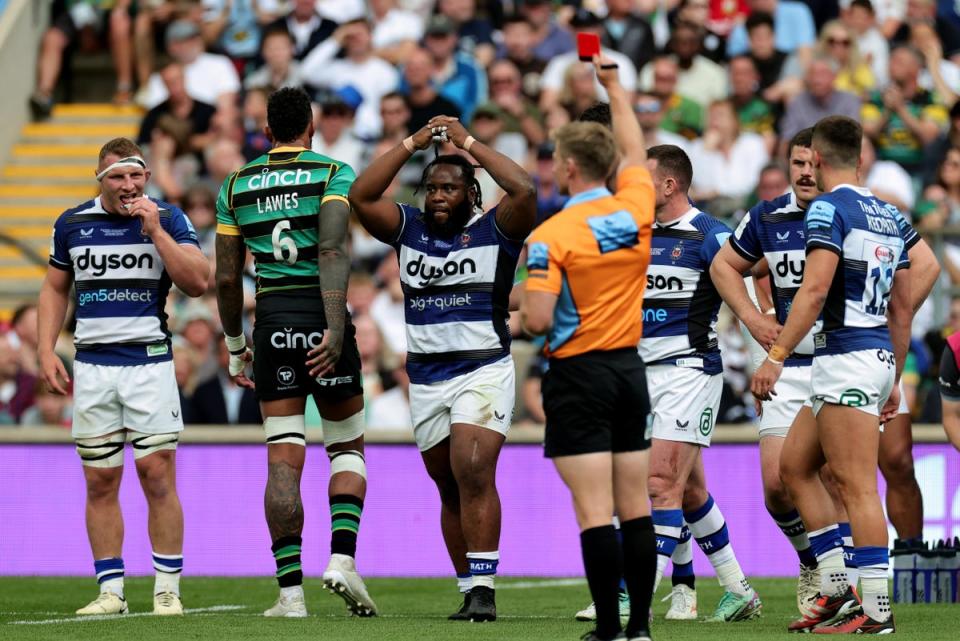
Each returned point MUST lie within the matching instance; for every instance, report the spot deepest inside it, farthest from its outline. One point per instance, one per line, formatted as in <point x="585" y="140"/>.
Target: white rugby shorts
<point x="861" y="379"/>
<point x="684" y="403"/>
<point x="483" y="397"/>
<point x="793" y="390"/>
<point x="109" y="398"/>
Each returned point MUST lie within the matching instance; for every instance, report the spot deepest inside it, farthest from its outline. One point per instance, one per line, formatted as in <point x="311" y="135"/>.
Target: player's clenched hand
<point x="765" y="378"/>
<point x="148" y="213"/>
<point x="52" y="369"/>
<point x="764" y="328"/>
<point x="454" y="130"/>
<point x="422" y="138"/>
<point x="892" y="407"/>
<point x="324" y="357"/>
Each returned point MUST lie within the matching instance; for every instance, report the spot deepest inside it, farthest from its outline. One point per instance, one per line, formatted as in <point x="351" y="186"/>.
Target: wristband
<point x="468" y="143"/>
<point x="236" y="345"/>
<point x="408" y="144"/>
<point x="777" y="355"/>
<point x="772" y="311"/>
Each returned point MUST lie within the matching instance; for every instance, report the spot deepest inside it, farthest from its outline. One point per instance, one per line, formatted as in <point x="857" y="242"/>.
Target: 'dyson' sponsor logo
<point x="662" y="282"/>
<point x="790" y="268"/>
<point x="428" y="273"/>
<point x="99" y="264"/>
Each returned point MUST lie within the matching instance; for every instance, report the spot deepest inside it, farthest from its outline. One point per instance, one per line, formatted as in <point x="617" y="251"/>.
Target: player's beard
<point x="454" y="224"/>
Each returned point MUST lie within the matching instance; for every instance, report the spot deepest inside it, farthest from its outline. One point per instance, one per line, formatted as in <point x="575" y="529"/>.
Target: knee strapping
<point x="285" y="429"/>
<point x="147" y="444"/>
<point x="347" y="461"/>
<point x="101" y="451"/>
<point x="344" y="431"/>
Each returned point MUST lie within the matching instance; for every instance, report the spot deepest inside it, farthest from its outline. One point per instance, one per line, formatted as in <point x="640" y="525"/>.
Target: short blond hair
<point x="590" y="145"/>
<point x="122" y="147"/>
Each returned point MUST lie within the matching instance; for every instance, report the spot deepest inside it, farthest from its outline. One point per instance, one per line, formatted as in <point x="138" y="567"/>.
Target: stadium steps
<point x="50" y="169"/>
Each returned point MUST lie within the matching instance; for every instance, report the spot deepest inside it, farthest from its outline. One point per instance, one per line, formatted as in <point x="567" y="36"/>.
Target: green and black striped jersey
<point x="274" y="203"/>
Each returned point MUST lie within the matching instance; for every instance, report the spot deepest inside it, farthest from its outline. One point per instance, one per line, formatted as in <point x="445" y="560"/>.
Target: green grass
<point x="412" y="610"/>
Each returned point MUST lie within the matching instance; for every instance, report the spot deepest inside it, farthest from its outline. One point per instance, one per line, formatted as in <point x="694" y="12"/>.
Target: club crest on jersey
<point x="677" y="251"/>
<point x="465" y="238"/>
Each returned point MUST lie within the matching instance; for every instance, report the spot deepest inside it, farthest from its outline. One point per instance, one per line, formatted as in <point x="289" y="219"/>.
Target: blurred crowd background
<point x="728" y="80"/>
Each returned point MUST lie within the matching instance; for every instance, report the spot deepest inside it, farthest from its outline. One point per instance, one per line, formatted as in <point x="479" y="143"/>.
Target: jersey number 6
<point x="281" y="244"/>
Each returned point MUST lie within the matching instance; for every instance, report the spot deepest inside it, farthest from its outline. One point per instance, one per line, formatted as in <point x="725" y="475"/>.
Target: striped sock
<point x="667" y="524"/>
<point x="286" y="551"/>
<point x="110" y="574"/>
<point x="849" y="553"/>
<point x="874" y="563"/>
<point x="345" y="510"/>
<point x="828" y="548"/>
<point x="710" y="530"/>
<point x="683" y="560"/>
<point x="483" y="568"/>
<point x="792" y="527"/>
<point x="168" y="567"/>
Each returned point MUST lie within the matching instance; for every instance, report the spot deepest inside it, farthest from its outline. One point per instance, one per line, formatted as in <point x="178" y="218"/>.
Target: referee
<point x="587" y="271"/>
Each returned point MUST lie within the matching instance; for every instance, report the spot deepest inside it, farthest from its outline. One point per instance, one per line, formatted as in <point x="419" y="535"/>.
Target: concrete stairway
<point x="51" y="169"/>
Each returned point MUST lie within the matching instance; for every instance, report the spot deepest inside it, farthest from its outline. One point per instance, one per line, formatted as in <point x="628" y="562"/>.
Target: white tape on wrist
<point x="236" y="344"/>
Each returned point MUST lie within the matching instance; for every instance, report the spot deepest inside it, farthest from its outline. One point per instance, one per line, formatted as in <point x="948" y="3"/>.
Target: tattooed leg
<point x="281" y="501"/>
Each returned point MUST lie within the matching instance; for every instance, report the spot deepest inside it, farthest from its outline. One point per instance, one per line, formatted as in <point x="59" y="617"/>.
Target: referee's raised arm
<point x="626" y="129"/>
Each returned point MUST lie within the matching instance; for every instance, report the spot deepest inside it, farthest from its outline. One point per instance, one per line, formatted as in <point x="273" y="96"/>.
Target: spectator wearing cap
<point x="861" y="18"/>
<point x="80" y="23"/>
<point x="699" y="78"/>
<point x="550" y="39"/>
<point x="456" y="76"/>
<point x="220" y="401"/>
<point x="519" y="113"/>
<point x="475" y="34"/>
<point x="369" y="75"/>
<point x="819" y="99"/>
<point x="554" y="74"/>
<point x="209" y="77"/>
<point x="195" y="323"/>
<point x="904" y="119"/>
<point x="793" y="27"/>
<point x="628" y="33"/>
<point x="151" y="21"/>
<point x="395" y="32"/>
<point x="680" y="115"/>
<point x="755" y="114"/>
<point x="650" y="111"/>
<point x="424" y="100"/>
<point x="334" y="136"/>
<point x="307" y="27"/>
<point x="234" y="26"/>
<point x="280" y="68"/>
<point x="517" y="47"/>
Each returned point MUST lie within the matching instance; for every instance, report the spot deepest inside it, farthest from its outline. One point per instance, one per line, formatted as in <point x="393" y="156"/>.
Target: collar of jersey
<point x="588" y="195"/>
<point x="286" y="148"/>
<point x="690" y="213"/>
<point x="863" y="191"/>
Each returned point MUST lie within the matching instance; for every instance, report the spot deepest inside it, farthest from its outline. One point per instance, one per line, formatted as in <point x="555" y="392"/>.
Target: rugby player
<point x="122" y="251"/>
<point x="855" y="249"/>
<point x="289" y="208"/>
<point x="950" y="388"/>
<point x="457" y="266"/>
<point x="684" y="370"/>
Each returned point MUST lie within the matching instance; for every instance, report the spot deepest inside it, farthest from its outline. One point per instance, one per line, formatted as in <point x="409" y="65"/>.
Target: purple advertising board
<point x="42" y="512"/>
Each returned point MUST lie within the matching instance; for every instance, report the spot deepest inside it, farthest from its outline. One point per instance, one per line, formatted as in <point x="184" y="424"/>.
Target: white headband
<point x="129" y="161"/>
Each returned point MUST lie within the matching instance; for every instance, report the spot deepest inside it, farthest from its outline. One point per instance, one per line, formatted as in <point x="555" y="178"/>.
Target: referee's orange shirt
<point x="593" y="255"/>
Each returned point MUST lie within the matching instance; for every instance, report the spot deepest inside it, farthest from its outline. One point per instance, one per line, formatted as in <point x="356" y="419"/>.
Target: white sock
<point x="833" y="573"/>
<point x="709" y="528"/>
<point x="464" y="583"/>
<point x="662" y="561"/>
<point x="853" y="576"/>
<point x="483" y="568"/>
<point x="113" y="585"/>
<point x="291" y="592"/>
<point x="876" y="598"/>
<point x="167" y="582"/>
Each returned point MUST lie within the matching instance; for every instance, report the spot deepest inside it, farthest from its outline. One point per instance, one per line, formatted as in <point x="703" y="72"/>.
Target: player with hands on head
<point x="457" y="266"/>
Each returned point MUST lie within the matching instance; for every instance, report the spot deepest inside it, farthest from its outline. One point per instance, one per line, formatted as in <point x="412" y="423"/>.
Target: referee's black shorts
<point x="596" y="402"/>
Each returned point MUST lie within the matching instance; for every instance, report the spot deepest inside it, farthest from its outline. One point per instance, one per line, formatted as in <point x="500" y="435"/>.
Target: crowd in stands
<point x="730" y="81"/>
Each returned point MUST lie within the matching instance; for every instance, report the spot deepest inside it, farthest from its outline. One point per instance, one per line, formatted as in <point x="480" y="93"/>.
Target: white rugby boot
<point x="683" y="603"/>
<point x="342" y="579"/>
<point x="106" y="603"/>
<point x="808" y="589"/>
<point x="167" y="603"/>
<point x="291" y="607"/>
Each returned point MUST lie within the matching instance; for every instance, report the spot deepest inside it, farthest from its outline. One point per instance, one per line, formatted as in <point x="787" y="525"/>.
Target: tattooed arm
<point x="231" y="254"/>
<point x="334" y="266"/>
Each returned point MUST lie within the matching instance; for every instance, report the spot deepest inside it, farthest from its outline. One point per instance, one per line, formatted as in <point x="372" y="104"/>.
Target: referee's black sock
<point x="639" y="568"/>
<point x="603" y="563"/>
